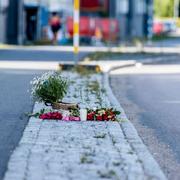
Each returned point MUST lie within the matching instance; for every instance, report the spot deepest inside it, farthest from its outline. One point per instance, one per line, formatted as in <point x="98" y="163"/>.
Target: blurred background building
<point x="3" y="16"/>
<point x="26" y="21"/>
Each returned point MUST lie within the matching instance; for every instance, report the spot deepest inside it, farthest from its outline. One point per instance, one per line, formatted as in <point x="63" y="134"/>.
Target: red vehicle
<point x="85" y="30"/>
<point x="163" y="26"/>
<point x="109" y="27"/>
<point x="158" y="28"/>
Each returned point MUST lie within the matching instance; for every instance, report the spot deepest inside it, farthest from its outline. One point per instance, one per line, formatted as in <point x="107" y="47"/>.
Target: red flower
<point x="42" y="116"/>
<point x="105" y="117"/>
<point x="112" y="113"/>
<point x="51" y="115"/>
<point x="99" y="118"/>
<point x="90" y="116"/>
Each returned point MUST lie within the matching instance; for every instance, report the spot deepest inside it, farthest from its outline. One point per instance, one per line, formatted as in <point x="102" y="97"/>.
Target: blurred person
<point x="55" y="24"/>
<point x="98" y="33"/>
<point x="98" y="36"/>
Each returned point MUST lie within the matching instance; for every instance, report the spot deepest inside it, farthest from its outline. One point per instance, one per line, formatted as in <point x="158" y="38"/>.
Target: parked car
<point x="164" y="26"/>
<point x="169" y="26"/>
<point x="109" y="28"/>
<point x="157" y="28"/>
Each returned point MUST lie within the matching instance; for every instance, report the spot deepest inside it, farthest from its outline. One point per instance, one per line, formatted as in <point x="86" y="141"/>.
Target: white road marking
<point x="149" y="69"/>
<point x="38" y="65"/>
<point x="172" y="102"/>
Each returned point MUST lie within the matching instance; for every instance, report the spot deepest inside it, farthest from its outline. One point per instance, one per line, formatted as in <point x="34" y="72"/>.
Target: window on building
<point x="122" y="6"/>
<point x="140" y="6"/>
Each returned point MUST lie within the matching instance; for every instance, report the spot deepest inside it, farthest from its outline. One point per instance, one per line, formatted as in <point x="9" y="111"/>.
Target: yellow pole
<point x="76" y="30"/>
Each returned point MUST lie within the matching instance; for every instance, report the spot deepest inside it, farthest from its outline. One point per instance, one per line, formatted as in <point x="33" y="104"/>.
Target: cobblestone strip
<point x="150" y="167"/>
<point x="57" y="150"/>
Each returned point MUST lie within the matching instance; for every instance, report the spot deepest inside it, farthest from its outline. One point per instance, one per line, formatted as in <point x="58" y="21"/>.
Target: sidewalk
<point x="51" y="150"/>
<point x="153" y="48"/>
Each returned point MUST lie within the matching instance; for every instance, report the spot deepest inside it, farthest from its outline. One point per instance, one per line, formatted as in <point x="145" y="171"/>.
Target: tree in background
<point x="164" y="8"/>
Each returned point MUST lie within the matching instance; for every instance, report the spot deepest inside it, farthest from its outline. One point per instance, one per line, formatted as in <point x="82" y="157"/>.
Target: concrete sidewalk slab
<point x="90" y="49"/>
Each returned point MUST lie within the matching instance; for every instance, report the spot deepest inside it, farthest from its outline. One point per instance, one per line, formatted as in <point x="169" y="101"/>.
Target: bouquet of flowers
<point x="51" y="87"/>
<point x="51" y="115"/>
<point x="103" y="114"/>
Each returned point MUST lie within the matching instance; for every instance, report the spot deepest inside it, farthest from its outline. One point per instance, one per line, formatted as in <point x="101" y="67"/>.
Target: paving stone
<point x="51" y="150"/>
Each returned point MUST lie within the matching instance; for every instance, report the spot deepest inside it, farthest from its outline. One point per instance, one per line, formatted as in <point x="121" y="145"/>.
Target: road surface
<point x="14" y="103"/>
<point x="150" y="96"/>
<point x="37" y="55"/>
<point x="15" y="100"/>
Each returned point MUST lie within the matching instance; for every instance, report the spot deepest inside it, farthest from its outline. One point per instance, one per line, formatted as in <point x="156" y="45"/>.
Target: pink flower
<point x="51" y="115"/>
<point x="65" y="118"/>
<point x="70" y="118"/>
<point x="73" y="118"/>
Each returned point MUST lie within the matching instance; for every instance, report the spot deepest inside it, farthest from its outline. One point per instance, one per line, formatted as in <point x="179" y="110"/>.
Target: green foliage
<point x="102" y="55"/>
<point x="74" y="112"/>
<point x="36" y="114"/>
<point x="49" y="90"/>
<point x="178" y="22"/>
<point x="102" y="136"/>
<point x="86" y="70"/>
<point x="164" y="8"/>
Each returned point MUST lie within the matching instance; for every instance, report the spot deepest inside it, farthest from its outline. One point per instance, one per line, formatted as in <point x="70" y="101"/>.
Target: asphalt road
<point x="37" y="55"/>
<point x="159" y="98"/>
<point x="152" y="102"/>
<point x="14" y="103"/>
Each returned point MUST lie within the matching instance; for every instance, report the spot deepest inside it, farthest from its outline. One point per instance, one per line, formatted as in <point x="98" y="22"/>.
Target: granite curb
<point x="151" y="167"/>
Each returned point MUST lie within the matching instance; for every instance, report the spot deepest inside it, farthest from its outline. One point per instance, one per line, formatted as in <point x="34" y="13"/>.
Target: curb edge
<point x="151" y="167"/>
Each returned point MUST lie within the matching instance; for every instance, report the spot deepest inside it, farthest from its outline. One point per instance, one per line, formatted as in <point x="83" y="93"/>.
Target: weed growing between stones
<point x="85" y="160"/>
<point x="86" y="70"/>
<point x="100" y="136"/>
<point x="107" y="174"/>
